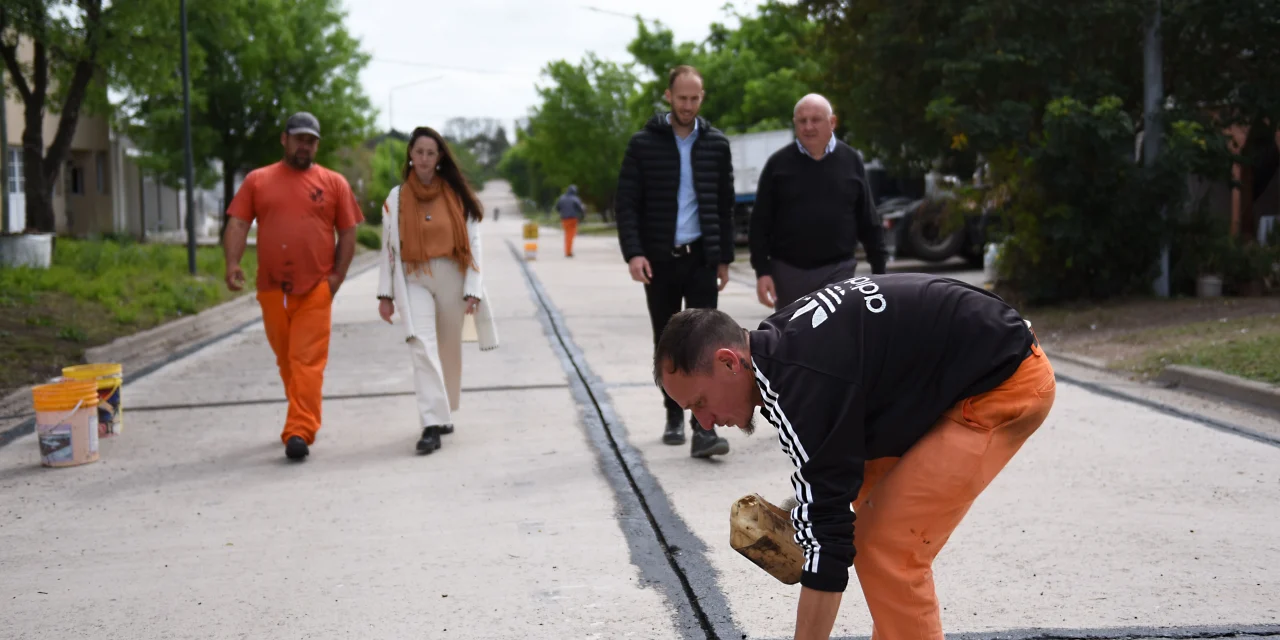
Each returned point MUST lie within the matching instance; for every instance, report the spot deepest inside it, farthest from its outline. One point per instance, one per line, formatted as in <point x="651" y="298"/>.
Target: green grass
<point x="1248" y="347"/>
<point x="97" y="291"/>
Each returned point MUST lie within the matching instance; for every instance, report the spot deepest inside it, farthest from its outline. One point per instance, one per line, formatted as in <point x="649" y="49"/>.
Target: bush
<point x="368" y="237"/>
<point x="1085" y="220"/>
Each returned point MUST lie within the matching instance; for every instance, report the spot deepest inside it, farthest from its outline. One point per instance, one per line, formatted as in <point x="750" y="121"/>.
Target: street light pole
<point x="186" y="135"/>
<point x="1153" y="100"/>
<point x="391" y="121"/>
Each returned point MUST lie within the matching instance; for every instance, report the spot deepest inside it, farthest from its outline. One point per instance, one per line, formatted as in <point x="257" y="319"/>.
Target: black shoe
<point x="430" y="440"/>
<point x="707" y="444"/>
<point x="296" y="448"/>
<point x="674" y="433"/>
<point x="446" y="429"/>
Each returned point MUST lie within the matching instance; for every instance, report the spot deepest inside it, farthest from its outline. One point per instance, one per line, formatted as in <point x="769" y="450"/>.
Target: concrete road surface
<point x="555" y="511"/>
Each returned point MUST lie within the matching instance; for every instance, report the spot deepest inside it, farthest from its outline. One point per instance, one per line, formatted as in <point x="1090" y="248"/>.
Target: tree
<point x="260" y="61"/>
<point x="577" y="135"/>
<point x="527" y="178"/>
<point x="922" y="83"/>
<point x="753" y="75"/>
<point x="483" y="139"/>
<point x="72" y="44"/>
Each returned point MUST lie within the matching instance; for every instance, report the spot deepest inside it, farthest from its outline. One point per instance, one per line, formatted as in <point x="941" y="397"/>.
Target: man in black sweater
<point x="675" y="222"/>
<point x="813" y="206"/>
<point x="898" y="398"/>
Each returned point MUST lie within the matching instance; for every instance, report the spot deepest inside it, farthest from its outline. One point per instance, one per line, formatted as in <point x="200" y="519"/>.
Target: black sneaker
<point x="674" y="433"/>
<point x="446" y="429"/>
<point x="296" y="448"/>
<point x="707" y="444"/>
<point x="430" y="440"/>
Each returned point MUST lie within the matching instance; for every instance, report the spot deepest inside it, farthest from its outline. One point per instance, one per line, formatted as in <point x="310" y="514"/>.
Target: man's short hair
<point x="681" y="70"/>
<point x="690" y="340"/>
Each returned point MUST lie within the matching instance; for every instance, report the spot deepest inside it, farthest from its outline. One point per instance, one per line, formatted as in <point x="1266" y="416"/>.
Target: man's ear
<point x="666" y="95"/>
<point x="727" y="358"/>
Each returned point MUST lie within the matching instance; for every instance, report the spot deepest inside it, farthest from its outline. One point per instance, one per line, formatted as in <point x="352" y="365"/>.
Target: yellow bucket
<point x="531" y="240"/>
<point x="110" y="379"/>
<point x="67" y="422"/>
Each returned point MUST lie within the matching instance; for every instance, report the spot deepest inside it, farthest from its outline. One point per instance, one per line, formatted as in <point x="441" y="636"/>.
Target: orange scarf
<point x="432" y="225"/>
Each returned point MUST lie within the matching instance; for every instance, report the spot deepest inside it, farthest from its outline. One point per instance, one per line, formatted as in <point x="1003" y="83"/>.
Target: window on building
<point x="16" y="181"/>
<point x="103" y="185"/>
<point x="75" y="178"/>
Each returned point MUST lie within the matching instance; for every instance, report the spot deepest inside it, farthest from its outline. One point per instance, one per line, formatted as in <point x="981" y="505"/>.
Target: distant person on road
<point x="431" y="263"/>
<point x="675" y="222"/>
<point x="813" y="206"/>
<point x="298" y="205"/>
<point x="898" y="398"/>
<point x="571" y="211"/>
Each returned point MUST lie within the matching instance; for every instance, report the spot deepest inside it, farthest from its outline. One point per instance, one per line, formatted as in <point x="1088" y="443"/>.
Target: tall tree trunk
<point x="41" y="169"/>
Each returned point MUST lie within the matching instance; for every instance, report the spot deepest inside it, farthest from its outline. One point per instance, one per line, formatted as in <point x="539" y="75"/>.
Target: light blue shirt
<point x="831" y="146"/>
<point x="688" y="228"/>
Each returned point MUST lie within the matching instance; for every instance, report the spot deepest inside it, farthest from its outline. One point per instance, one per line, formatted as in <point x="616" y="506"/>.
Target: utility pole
<point x="1153" y="102"/>
<point x="186" y="134"/>
<point x="4" y="156"/>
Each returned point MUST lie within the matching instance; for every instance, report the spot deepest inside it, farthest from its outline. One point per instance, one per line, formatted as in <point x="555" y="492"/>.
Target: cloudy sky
<point x="481" y="58"/>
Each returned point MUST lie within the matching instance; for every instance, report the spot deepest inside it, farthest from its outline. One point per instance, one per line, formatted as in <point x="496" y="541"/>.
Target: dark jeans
<point x="679" y="283"/>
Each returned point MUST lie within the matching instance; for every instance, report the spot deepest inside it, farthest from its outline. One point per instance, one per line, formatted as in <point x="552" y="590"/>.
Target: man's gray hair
<point x="814" y="98"/>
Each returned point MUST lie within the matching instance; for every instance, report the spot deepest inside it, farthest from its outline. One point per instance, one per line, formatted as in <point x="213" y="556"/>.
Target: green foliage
<point x="1087" y="221"/>
<point x="368" y="237"/>
<point x="579" y="132"/>
<point x="527" y="178"/>
<point x="483" y="141"/>
<point x="923" y="87"/>
<point x="387" y="168"/>
<point x="134" y="283"/>
<point x="253" y="63"/>
<point x="753" y="75"/>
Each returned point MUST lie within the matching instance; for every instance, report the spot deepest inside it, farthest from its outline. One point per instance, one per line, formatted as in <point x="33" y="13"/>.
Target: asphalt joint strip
<point x="598" y="411"/>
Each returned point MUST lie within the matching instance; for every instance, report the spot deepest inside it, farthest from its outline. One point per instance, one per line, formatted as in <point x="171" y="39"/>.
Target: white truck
<point x="910" y="210"/>
<point x="750" y="152"/>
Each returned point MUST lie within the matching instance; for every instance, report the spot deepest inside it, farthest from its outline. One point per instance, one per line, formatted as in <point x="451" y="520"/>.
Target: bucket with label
<point x="67" y="422"/>
<point x="110" y="381"/>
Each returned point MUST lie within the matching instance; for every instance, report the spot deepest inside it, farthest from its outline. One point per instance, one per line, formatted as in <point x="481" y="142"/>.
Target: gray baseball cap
<point x="302" y="122"/>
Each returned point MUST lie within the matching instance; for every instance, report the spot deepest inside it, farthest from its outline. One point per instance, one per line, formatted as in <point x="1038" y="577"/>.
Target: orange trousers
<point x="908" y="506"/>
<point x="298" y="328"/>
<point x="570" y="226"/>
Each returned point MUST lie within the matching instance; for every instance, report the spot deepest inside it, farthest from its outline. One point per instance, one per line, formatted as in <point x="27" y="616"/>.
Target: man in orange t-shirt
<point x="298" y="206"/>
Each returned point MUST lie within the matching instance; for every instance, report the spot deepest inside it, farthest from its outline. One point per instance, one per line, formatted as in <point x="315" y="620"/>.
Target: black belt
<point x="685" y="249"/>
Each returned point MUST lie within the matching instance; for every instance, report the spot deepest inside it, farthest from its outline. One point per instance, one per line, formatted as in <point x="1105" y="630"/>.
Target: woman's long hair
<point x="448" y="170"/>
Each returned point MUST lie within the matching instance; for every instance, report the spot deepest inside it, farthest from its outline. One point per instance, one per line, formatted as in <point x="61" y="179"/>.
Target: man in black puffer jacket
<point x="675" y="223"/>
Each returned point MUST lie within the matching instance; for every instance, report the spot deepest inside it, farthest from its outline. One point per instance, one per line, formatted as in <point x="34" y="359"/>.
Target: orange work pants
<point x="908" y="506"/>
<point x="298" y="328"/>
<point x="570" y="226"/>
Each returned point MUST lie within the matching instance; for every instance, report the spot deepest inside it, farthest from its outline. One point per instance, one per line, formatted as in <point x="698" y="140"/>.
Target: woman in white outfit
<point x="431" y="266"/>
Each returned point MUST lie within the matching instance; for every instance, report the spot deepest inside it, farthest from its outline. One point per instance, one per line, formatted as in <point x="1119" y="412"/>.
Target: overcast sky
<point x="486" y="54"/>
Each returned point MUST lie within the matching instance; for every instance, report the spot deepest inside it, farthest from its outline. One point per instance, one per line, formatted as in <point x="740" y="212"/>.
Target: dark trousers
<point x="679" y="283"/>
<point x="791" y="283"/>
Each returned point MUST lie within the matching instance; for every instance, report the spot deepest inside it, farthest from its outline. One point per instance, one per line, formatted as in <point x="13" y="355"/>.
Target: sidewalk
<point x="556" y="512"/>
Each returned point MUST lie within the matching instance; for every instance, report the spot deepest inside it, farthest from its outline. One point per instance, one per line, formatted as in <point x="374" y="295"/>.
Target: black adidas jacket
<point x="650" y="179"/>
<point x="861" y="370"/>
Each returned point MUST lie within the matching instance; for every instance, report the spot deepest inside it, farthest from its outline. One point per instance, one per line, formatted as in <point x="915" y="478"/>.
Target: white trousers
<point x="436" y="303"/>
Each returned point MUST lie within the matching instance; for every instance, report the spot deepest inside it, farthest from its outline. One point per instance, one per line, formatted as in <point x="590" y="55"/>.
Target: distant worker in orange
<point x="571" y="211"/>
<point x="298" y="205"/>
